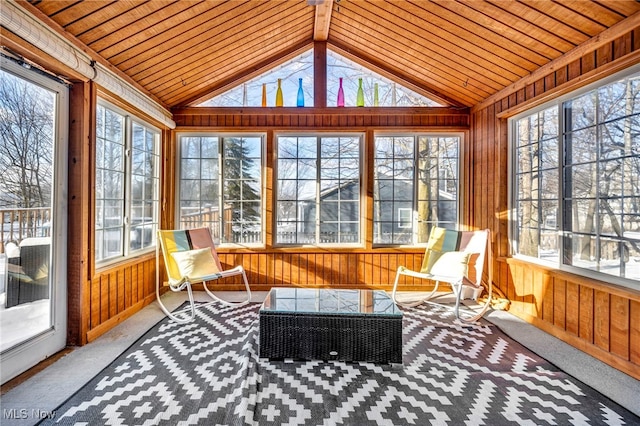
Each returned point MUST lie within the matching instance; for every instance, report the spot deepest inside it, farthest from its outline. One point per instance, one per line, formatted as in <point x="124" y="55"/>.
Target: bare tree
<point x="297" y="168"/>
<point x="26" y="131"/>
<point x="250" y="92"/>
<point x="528" y="187"/>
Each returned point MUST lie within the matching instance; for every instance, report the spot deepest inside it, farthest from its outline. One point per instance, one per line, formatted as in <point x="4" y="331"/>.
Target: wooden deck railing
<point x="18" y="224"/>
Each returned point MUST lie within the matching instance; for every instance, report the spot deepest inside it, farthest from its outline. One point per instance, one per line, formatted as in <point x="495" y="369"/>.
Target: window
<point x="377" y="90"/>
<point x="417" y="176"/>
<point x="127" y="183"/>
<point x="537" y="182"/>
<point x="389" y="93"/>
<point x="318" y="189"/>
<point x="34" y="123"/>
<point x="289" y="74"/>
<point x="220" y="186"/>
<point x="404" y="218"/>
<point x="577" y="186"/>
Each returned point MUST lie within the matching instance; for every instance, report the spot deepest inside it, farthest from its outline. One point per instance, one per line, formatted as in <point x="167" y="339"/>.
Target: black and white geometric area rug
<point x="208" y="373"/>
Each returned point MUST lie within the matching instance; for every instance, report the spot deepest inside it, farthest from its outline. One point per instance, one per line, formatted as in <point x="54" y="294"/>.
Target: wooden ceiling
<point x="459" y="52"/>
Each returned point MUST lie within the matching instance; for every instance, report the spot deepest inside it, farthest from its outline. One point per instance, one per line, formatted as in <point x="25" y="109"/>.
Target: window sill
<point x="596" y="283"/>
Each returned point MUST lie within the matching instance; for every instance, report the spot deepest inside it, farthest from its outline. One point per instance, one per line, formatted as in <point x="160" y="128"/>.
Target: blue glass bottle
<point x="300" y="101"/>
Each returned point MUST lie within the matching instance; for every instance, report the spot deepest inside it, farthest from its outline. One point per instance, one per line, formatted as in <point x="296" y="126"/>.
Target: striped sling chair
<point x="190" y="257"/>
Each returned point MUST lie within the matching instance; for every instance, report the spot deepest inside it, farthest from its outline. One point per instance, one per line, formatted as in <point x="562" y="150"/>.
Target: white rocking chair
<point x="456" y="258"/>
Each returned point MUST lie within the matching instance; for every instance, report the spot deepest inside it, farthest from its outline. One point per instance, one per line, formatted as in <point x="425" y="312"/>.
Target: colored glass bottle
<point x="300" y="101"/>
<point x="264" y="94"/>
<point x="279" y="94"/>
<point x="340" y="94"/>
<point x="360" y="97"/>
<point x="375" y="94"/>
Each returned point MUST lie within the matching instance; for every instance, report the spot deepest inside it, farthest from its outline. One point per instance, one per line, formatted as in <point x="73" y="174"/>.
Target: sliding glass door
<point x="33" y="145"/>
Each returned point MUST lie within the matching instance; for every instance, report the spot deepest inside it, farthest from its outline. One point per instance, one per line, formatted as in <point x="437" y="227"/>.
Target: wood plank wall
<point x="598" y="318"/>
<point x="116" y="292"/>
<point x="588" y="314"/>
<point x="315" y="267"/>
<point x="365" y="268"/>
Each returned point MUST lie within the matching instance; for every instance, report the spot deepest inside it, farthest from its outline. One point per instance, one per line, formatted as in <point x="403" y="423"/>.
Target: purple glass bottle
<point x="340" y="95"/>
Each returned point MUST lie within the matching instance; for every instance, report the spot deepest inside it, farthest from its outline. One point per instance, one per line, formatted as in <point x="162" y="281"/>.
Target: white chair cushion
<point x="196" y="263"/>
<point x="448" y="263"/>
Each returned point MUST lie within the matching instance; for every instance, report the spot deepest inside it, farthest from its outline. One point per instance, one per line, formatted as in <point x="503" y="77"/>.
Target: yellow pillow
<point x="196" y="263"/>
<point x="448" y="263"/>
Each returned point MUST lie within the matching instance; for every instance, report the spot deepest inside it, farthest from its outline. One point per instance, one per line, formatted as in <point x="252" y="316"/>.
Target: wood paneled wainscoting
<point x="120" y="291"/>
<point x="597" y="318"/>
<point x="313" y="268"/>
<point x="323" y="268"/>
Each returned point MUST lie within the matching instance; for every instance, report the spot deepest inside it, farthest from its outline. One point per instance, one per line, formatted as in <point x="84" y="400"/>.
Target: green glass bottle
<point x="360" y="98"/>
<point x="375" y="94"/>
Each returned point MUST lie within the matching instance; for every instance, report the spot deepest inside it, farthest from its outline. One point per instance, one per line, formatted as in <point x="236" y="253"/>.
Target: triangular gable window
<point x="390" y="93"/>
<point x="249" y="93"/>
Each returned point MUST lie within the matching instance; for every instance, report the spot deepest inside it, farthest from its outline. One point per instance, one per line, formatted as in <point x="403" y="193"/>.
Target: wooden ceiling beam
<point x="323" y="19"/>
<point x="320" y="73"/>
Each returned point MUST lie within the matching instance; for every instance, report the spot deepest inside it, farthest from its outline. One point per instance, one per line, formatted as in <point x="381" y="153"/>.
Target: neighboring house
<point x="343" y="215"/>
<point x="340" y="210"/>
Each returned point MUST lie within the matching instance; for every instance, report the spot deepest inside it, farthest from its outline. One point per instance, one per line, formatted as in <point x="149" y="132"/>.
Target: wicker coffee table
<point x="323" y="324"/>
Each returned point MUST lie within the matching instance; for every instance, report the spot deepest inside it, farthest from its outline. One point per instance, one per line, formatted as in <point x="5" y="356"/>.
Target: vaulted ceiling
<point x="457" y="51"/>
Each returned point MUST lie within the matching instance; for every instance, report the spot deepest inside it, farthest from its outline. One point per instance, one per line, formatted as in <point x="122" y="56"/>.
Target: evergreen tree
<point x="241" y="182"/>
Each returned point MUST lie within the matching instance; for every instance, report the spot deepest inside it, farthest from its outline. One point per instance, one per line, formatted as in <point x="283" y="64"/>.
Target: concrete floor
<point x="43" y="390"/>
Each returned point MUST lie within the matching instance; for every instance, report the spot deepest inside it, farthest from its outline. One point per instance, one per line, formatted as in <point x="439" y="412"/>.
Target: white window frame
<point x="128" y="229"/>
<point x="218" y="230"/>
<point x="562" y="234"/>
<point x="319" y="136"/>
<point x="414" y="202"/>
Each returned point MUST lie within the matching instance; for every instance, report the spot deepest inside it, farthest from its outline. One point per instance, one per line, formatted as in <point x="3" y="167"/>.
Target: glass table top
<point x="330" y="301"/>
